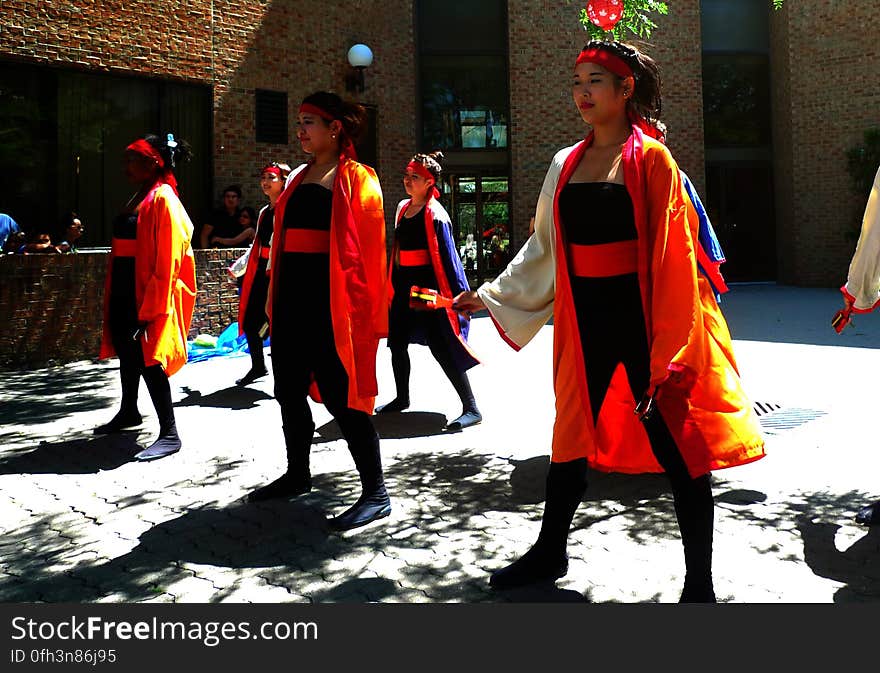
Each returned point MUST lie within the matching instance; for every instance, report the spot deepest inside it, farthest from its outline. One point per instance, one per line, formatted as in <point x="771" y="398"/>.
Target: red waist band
<point x="604" y="259"/>
<point x="124" y="247"/>
<point x="306" y="240"/>
<point x="415" y="258"/>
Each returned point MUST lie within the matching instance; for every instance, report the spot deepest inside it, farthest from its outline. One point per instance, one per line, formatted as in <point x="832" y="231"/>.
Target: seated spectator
<point x="71" y="231"/>
<point x="247" y="221"/>
<point x="7" y="226"/>
<point x="14" y="242"/>
<point x="38" y="242"/>
<point x="224" y="221"/>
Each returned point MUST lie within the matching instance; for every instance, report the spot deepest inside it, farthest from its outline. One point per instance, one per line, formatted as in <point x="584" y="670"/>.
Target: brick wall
<point x="824" y="88"/>
<point x="51" y="306"/>
<point x="826" y="66"/>
<point x="544" y="40"/>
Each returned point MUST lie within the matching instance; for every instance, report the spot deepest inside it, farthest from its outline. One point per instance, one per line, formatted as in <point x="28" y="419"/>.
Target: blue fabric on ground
<point x="228" y="343"/>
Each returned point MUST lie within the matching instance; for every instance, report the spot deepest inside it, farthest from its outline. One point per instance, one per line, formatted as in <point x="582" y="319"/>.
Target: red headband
<point x="421" y="169"/>
<point x="315" y="110"/>
<point x="141" y="146"/>
<point x="271" y="169"/>
<point x="346" y="145"/>
<point x="607" y="60"/>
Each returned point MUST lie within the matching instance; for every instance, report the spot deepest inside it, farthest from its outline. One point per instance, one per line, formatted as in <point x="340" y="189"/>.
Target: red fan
<point x="425" y="299"/>
<point x="605" y="13"/>
<point x="841" y="319"/>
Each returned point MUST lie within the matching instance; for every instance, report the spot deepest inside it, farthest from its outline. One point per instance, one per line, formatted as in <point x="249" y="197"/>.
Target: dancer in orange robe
<point x="150" y="290"/>
<point x="327" y="302"/>
<point x="614" y="261"/>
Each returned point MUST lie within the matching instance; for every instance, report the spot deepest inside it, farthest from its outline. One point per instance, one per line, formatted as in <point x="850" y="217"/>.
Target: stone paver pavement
<point x="82" y="522"/>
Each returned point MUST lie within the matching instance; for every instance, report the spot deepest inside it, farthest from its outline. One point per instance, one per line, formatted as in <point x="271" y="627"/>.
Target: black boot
<point x="694" y="509"/>
<point x="470" y="415"/>
<point x="869" y="515"/>
<point x="401" y="367"/>
<point x="258" y="364"/>
<point x="123" y="420"/>
<point x="298" y="478"/>
<point x="547" y="560"/>
<point x="128" y="415"/>
<point x="160" y="392"/>
<point x="374" y="502"/>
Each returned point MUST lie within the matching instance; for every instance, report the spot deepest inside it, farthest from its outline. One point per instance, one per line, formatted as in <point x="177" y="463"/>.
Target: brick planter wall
<point x="51" y="306"/>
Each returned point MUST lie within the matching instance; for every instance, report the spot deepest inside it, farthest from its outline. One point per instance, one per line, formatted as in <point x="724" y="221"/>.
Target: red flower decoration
<point x="605" y="13"/>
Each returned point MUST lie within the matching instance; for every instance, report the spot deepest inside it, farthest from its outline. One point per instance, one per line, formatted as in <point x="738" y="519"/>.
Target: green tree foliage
<point x="636" y="19"/>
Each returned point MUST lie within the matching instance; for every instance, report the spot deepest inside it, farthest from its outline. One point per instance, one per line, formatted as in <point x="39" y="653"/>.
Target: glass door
<point x="479" y="205"/>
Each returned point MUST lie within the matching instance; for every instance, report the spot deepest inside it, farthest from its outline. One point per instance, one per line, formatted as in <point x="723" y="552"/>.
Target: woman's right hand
<point x="468" y="302"/>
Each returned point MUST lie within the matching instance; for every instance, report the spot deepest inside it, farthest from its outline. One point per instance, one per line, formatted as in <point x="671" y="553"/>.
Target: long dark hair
<point x="646" y="101"/>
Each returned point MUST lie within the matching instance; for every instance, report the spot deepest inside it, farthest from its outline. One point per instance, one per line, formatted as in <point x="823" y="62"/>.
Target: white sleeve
<point x="863" y="281"/>
<point x="521" y="298"/>
<point x="239" y="266"/>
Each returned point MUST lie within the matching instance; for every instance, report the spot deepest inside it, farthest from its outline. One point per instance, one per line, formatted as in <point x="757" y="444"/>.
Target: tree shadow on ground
<point x="858" y="567"/>
<point x="77" y="456"/>
<point x="393" y="426"/>
<point x="236" y="398"/>
<point x="461" y="515"/>
<point x="46" y="395"/>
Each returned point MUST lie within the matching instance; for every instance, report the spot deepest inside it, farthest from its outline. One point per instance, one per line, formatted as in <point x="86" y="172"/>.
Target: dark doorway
<point x="739" y="201"/>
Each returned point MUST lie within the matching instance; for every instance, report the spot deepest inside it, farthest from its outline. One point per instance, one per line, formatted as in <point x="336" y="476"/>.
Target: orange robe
<point x="709" y="415"/>
<point x="358" y="293"/>
<point x="165" y="281"/>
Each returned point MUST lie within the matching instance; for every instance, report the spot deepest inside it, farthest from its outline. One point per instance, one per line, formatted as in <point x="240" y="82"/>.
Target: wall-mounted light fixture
<point x="360" y="56"/>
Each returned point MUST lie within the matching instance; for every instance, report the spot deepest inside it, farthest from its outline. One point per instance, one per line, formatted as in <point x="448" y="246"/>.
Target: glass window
<point x="736" y="99"/>
<point x="464" y="101"/>
<point x="63" y="135"/>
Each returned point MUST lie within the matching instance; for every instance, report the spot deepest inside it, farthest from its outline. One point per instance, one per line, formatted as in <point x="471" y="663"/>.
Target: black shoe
<point x="869" y="515"/>
<point x="251" y="376"/>
<point x="532" y="567"/>
<point x="119" y="423"/>
<point x="164" y="446"/>
<point x="287" y="485"/>
<point x="466" y="420"/>
<point x="393" y="406"/>
<point x="696" y="593"/>
<point x="367" y="508"/>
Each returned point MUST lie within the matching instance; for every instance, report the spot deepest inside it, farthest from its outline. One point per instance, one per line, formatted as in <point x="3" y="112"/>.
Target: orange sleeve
<point x="168" y="245"/>
<point x="369" y="215"/>
<point x="676" y="319"/>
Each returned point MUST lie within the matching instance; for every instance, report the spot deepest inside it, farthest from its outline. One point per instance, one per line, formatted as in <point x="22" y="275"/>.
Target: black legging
<point x="300" y="350"/>
<point x="441" y="350"/>
<point x="605" y="347"/>
<point x="132" y="367"/>
<point x="255" y="315"/>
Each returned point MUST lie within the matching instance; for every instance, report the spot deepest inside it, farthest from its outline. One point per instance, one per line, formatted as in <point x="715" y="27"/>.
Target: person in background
<point x="224" y="221"/>
<point x="247" y="222"/>
<point x="37" y="242"/>
<point x="861" y="292"/>
<point x="71" y="231"/>
<point x="327" y="302"/>
<point x="424" y="255"/>
<point x="8" y="226"/>
<point x="644" y="373"/>
<point x="150" y="290"/>
<point x="252" y="318"/>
